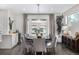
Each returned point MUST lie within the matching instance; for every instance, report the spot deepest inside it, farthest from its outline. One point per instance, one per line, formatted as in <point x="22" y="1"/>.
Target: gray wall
<point x="19" y="22"/>
<point x="52" y="28"/>
<point x="24" y="23"/>
<point x="52" y="24"/>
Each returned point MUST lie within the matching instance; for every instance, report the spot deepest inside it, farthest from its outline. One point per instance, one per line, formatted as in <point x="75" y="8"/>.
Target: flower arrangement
<point x="59" y="23"/>
<point x="10" y="23"/>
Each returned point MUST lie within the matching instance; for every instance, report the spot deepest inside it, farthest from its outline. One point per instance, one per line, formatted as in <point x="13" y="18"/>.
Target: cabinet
<point x="8" y="41"/>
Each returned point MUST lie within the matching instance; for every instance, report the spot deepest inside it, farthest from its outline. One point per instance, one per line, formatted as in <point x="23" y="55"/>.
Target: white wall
<point x="72" y="10"/>
<point x="3" y="21"/>
<point x="18" y="21"/>
<point x="12" y="16"/>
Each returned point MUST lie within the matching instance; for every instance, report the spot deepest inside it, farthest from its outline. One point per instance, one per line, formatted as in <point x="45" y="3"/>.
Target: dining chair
<point x="39" y="45"/>
<point x="27" y="47"/>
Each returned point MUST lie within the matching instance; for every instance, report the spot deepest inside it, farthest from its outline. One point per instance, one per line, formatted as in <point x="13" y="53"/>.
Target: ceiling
<point x="33" y="8"/>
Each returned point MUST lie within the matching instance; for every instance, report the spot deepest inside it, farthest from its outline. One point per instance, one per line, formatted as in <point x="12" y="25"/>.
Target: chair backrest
<point x="25" y="43"/>
<point x="39" y="45"/>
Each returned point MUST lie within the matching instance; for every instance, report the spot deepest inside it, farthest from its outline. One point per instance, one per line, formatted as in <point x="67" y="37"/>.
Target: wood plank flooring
<point x="18" y="50"/>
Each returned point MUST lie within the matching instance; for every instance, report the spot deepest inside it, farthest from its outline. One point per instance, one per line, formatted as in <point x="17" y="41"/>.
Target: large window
<point x="73" y="23"/>
<point x="73" y="19"/>
<point x="38" y="23"/>
<point x="39" y="26"/>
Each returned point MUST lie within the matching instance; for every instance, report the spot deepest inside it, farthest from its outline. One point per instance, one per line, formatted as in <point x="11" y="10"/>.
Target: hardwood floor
<point x="62" y="50"/>
<point x="18" y="50"/>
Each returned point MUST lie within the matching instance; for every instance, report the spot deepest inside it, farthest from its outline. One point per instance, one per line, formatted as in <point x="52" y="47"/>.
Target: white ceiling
<point x="32" y="8"/>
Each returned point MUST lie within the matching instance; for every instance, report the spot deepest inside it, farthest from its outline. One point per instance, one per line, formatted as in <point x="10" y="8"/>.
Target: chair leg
<point x="35" y="53"/>
<point x="24" y="51"/>
<point x="42" y="53"/>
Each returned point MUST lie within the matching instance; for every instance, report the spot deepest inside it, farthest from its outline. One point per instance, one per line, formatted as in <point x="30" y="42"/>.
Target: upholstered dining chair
<point x="39" y="45"/>
<point x="51" y="46"/>
<point x="27" y="47"/>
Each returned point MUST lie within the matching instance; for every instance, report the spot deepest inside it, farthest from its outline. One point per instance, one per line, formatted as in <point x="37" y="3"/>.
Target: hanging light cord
<point x="38" y="8"/>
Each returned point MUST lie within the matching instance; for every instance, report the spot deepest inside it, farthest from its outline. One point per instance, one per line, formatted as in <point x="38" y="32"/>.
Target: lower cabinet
<point x="8" y="41"/>
<point x="70" y="43"/>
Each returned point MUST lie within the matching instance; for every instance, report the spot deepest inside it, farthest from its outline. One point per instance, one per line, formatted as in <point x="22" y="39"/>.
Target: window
<point x="73" y="19"/>
<point x="42" y="19"/>
<point x="73" y="23"/>
<point x="38" y="23"/>
<point x="34" y="19"/>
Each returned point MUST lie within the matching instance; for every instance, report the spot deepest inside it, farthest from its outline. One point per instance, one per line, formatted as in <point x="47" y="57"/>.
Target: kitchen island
<point x="8" y="41"/>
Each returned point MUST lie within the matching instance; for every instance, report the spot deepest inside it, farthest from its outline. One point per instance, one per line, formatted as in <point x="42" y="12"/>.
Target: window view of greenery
<point x="73" y="19"/>
<point x="40" y="27"/>
<point x="34" y="30"/>
<point x="40" y="30"/>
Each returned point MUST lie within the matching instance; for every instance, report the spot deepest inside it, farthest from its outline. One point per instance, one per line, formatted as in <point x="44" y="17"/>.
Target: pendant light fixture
<point x="38" y="8"/>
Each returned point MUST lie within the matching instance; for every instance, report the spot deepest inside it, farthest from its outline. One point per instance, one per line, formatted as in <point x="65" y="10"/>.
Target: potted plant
<point x="59" y="23"/>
